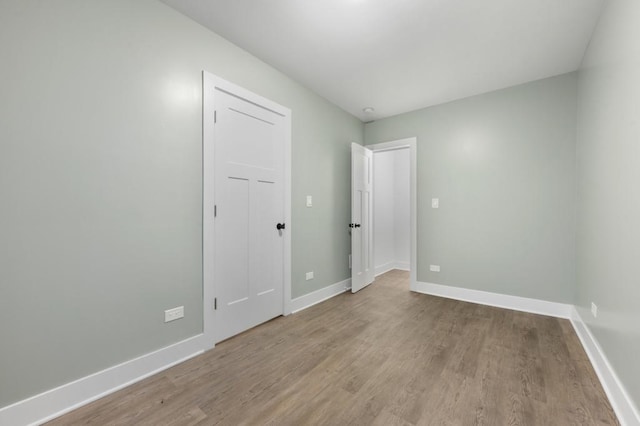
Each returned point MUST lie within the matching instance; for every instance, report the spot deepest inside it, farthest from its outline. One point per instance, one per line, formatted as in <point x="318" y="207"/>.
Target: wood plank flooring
<point x="383" y="356"/>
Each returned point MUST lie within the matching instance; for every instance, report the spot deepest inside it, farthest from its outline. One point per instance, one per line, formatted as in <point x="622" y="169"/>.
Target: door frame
<point x="411" y="144"/>
<point x="210" y="83"/>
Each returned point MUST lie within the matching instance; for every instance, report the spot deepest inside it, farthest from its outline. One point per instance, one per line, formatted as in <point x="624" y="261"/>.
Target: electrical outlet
<point x="309" y="275"/>
<point x="434" y="268"/>
<point x="435" y="203"/>
<point x="174" y="314"/>
<point x="594" y="310"/>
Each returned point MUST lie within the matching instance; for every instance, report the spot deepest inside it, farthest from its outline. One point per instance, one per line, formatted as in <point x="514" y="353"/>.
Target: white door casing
<point x="246" y="260"/>
<point x="362" y="270"/>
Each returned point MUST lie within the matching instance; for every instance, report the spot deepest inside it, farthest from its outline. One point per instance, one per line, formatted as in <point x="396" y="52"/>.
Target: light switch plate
<point x="435" y="203"/>
<point x="309" y="275"/>
<point x="309" y="201"/>
<point x="434" y="268"/>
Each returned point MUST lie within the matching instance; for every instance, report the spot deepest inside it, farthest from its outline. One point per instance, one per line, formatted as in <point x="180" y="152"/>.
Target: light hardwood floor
<point x="383" y="356"/>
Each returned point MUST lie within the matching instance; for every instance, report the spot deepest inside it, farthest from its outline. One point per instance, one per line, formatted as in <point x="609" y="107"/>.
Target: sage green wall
<point x="608" y="195"/>
<point x="502" y="165"/>
<point x="101" y="182"/>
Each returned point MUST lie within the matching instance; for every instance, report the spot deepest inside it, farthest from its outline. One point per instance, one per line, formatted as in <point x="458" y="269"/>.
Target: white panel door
<point x="249" y="199"/>
<point x="362" y="271"/>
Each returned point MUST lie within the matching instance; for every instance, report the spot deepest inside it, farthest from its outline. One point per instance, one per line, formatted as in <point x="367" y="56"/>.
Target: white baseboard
<point x="620" y="400"/>
<point x="516" y="303"/>
<point x="403" y="266"/>
<point x="308" y="300"/>
<point x="58" y="401"/>
<point x="384" y="268"/>
<point x="389" y="266"/>
<point x="68" y="397"/>
<point x="623" y="405"/>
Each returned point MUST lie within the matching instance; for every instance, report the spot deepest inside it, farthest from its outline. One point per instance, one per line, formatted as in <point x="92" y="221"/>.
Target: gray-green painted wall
<point x="101" y="182"/>
<point x="608" y="252"/>
<point x="502" y="165"/>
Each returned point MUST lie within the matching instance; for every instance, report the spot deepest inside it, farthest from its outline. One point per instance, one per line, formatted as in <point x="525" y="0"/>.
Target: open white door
<point x="362" y="272"/>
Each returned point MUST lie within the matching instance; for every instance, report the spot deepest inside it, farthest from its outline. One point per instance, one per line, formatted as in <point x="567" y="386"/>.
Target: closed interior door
<point x="249" y="199"/>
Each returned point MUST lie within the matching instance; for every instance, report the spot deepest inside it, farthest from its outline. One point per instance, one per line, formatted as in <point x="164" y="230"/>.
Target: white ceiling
<point x="401" y="55"/>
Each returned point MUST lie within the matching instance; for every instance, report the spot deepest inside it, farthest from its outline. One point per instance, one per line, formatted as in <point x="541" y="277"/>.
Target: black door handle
<point x="280" y="226"/>
<point x="356" y="225"/>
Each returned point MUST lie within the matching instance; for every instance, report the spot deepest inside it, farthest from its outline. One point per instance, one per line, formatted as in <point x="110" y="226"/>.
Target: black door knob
<point x="356" y="225"/>
<point x="280" y="226"/>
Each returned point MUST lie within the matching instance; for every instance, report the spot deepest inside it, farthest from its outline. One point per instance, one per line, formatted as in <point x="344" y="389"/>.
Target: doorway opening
<point x="394" y="207"/>
<point x="391" y="216"/>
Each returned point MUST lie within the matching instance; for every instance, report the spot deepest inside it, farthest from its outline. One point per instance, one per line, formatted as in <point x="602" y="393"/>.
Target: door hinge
<point x="215" y="303"/>
<point x="215" y="210"/>
<point x="215" y="117"/>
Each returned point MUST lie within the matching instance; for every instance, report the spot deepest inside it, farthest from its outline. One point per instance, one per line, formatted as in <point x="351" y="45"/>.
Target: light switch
<point x="309" y="201"/>
<point x="435" y="203"/>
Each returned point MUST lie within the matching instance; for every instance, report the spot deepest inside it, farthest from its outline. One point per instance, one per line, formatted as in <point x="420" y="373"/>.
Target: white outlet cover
<point x="435" y="203"/>
<point x="594" y="310"/>
<point x="434" y="268"/>
<point x="309" y="201"/>
<point x="174" y="314"/>
<point x="309" y="275"/>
